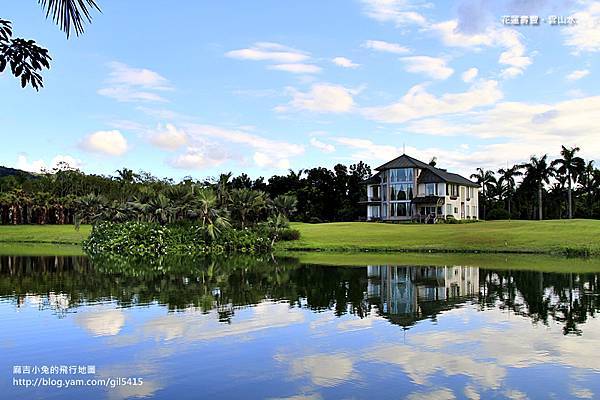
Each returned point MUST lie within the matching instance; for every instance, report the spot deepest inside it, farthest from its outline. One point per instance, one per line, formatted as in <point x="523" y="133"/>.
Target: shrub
<point x="150" y="239"/>
<point x="290" y="234"/>
<point x="498" y="213"/>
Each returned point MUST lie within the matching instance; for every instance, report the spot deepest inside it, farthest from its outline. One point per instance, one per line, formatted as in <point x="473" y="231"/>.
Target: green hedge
<point x="150" y="239"/>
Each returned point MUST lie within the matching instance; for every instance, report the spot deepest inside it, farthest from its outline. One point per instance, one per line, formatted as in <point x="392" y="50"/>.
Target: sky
<point x="196" y="88"/>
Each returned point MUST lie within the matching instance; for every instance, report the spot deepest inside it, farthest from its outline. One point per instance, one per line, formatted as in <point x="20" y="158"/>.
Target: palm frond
<point x="70" y="14"/>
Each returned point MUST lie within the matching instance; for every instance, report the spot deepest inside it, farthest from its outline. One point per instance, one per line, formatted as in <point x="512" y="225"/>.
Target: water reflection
<point x="402" y="294"/>
<point x="407" y="294"/>
<point x="264" y="328"/>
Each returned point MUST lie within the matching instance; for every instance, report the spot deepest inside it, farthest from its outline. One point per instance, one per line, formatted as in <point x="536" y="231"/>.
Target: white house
<point x="408" y="189"/>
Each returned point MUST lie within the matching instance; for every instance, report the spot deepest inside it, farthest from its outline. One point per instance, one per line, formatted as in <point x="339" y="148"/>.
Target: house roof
<point x="429" y="174"/>
<point x="403" y="161"/>
<point x="372" y="180"/>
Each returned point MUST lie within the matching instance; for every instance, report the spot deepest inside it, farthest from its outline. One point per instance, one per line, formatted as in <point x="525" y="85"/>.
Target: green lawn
<point x="538" y="262"/>
<point x="551" y="237"/>
<point x="63" y="234"/>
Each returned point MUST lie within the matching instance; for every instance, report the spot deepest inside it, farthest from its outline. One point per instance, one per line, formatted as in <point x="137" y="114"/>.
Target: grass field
<point x="538" y="262"/>
<point x="576" y="237"/>
<point x="60" y="234"/>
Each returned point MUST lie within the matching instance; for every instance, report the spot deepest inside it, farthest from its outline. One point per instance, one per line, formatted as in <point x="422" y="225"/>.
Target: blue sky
<point x="259" y="87"/>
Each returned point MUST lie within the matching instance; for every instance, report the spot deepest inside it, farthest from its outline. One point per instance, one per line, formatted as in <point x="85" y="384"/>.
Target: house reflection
<point x="405" y="295"/>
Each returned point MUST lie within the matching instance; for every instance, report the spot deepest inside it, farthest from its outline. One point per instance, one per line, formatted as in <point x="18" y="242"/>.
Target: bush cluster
<point x="142" y="239"/>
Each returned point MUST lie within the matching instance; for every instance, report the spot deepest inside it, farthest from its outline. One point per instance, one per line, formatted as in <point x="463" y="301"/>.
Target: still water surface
<point x="253" y="329"/>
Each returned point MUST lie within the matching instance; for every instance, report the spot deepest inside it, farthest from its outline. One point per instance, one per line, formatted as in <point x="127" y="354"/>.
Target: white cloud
<point x="267" y="152"/>
<point x="585" y="35"/>
<point x="399" y="12"/>
<point x="41" y="165"/>
<point x="418" y="103"/>
<point x="122" y="74"/>
<point x="128" y="84"/>
<point x="324" y="147"/>
<point x="513" y="56"/>
<point x="433" y="67"/>
<point x="101" y="322"/>
<point x="130" y="95"/>
<point x="322" y="98"/>
<point x="518" y="128"/>
<point x="380" y="45"/>
<point x="344" y="62"/>
<point x="266" y="51"/>
<point x="168" y="137"/>
<point x="296" y="68"/>
<point x="111" y="143"/>
<point x="438" y="394"/>
<point x="470" y="74"/>
<point x="326" y="370"/>
<point x="201" y="157"/>
<point x="578" y="74"/>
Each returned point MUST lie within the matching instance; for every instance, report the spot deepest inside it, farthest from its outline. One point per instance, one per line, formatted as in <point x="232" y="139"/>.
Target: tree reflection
<point x="404" y="295"/>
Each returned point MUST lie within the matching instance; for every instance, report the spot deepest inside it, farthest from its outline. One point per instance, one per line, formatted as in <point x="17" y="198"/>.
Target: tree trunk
<point x="540" y="202"/>
<point x="570" y="199"/>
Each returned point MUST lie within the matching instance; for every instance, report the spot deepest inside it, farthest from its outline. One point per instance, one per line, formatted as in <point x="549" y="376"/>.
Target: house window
<point x="401" y="191"/>
<point x="448" y="209"/>
<point x="384" y="192"/>
<point x="375" y="192"/>
<point x="431" y="189"/>
<point x="401" y="209"/>
<point x="474" y="209"/>
<point x="384" y="211"/>
<point x="375" y="211"/>
<point x="455" y="210"/>
<point x="451" y="190"/>
<point x="401" y="175"/>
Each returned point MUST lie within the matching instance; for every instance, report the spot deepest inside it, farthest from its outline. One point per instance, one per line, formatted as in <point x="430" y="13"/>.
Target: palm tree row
<point x="567" y="180"/>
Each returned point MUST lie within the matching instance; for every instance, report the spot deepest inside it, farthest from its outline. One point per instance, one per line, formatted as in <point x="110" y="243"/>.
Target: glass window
<point x="401" y="175"/>
<point x="431" y="189"/>
<point x="448" y="209"/>
<point x="384" y="211"/>
<point x="401" y="209"/>
<point x="384" y="192"/>
<point x="451" y="190"/>
<point x="401" y="191"/>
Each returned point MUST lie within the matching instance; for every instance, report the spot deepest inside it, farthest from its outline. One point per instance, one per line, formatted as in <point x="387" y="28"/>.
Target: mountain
<point x="6" y="171"/>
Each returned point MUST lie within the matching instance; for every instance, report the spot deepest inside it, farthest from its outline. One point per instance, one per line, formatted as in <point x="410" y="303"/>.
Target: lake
<point x="108" y="328"/>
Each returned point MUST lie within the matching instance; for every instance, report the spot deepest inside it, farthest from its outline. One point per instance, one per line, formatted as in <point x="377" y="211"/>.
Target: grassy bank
<point x="58" y="234"/>
<point x="557" y="237"/>
<point x="575" y="237"/>
<point x="538" y="262"/>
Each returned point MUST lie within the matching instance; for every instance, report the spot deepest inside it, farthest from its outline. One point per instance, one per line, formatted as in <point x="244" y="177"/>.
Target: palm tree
<point x="507" y="177"/>
<point x="285" y="204"/>
<point x="572" y="167"/>
<point x="538" y="171"/>
<point x="589" y="184"/>
<point x="222" y="189"/>
<point x="69" y="14"/>
<point x="486" y="180"/>
<point x="247" y="203"/>
<point x="204" y="208"/>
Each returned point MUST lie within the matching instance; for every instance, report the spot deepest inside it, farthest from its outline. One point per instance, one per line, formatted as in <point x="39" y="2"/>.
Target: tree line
<point x="66" y="195"/>
<point x="566" y="187"/>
